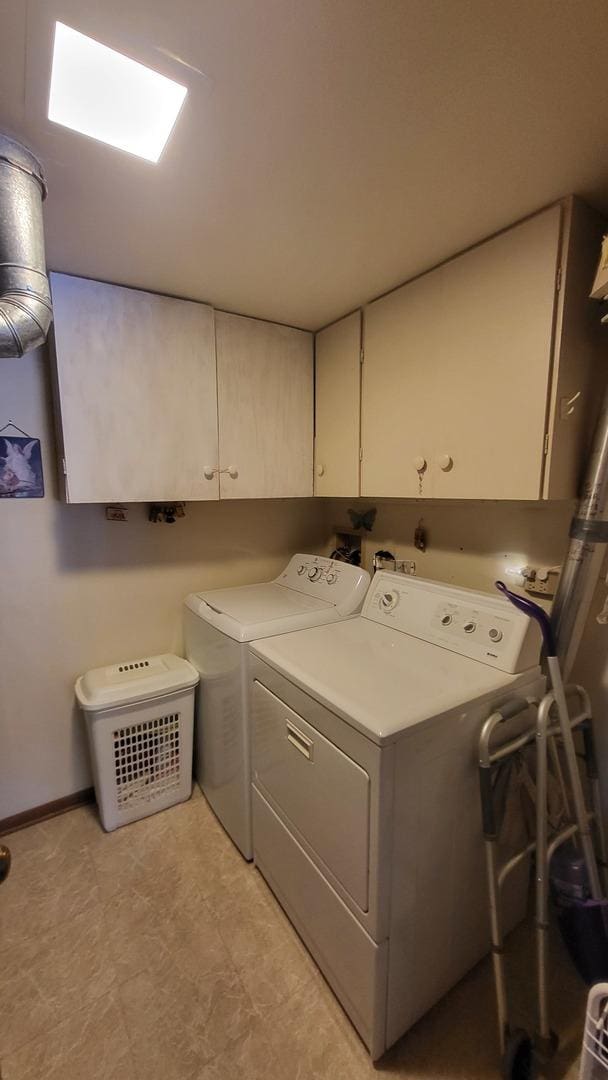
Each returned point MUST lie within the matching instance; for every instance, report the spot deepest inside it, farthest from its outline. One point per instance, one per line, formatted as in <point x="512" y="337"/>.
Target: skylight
<point x="101" y="93"/>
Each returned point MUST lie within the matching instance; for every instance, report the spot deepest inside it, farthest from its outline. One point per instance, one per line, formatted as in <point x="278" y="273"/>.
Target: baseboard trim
<point x="46" y="811"/>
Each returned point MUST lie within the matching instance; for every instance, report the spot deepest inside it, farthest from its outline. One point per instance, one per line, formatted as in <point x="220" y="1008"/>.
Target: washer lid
<point x="134" y="680"/>
<point x="254" y="611"/>
<point x="380" y="680"/>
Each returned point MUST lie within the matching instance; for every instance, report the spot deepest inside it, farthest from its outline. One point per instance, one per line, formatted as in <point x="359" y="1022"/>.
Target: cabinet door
<point x="265" y="404"/>
<point x="137" y="393"/>
<point x="489" y="415"/>
<point x="403" y="350"/>
<point x="337" y="407"/>
<point x="457" y="372"/>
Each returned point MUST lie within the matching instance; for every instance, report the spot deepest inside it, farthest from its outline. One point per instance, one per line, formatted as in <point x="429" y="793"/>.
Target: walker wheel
<point x="518" y="1060"/>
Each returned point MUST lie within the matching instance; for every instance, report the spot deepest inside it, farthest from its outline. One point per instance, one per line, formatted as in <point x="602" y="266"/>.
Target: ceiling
<point x="327" y="150"/>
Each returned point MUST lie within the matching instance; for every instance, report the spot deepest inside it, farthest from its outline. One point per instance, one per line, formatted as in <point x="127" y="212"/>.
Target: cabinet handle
<point x="420" y="464"/>
<point x="209" y="472"/>
<point x="233" y="472"/>
<point x="445" y="462"/>
<point x="320" y="470"/>
<point x="298" y="739"/>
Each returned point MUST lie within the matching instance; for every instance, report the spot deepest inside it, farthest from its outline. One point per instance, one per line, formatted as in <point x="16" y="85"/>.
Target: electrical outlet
<point x="542" y="581"/>
<point x="405" y="566"/>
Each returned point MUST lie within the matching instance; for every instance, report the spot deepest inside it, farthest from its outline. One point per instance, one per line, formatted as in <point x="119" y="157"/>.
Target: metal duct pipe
<point x="25" y="298"/>
<point x="588" y="539"/>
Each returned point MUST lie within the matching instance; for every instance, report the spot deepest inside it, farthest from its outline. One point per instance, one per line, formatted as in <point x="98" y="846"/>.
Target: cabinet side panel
<point x="337" y="407"/>
<point x="137" y="388"/>
<point x="265" y="400"/>
<point x="579" y="367"/>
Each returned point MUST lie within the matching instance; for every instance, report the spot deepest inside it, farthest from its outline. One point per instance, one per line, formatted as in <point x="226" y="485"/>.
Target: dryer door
<point x="322" y="794"/>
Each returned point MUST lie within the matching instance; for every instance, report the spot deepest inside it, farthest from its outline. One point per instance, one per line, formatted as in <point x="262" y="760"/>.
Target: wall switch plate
<point x="117" y="513"/>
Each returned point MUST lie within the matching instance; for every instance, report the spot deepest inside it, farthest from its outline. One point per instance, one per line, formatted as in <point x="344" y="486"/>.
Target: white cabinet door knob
<point x="233" y="472"/>
<point x="420" y="464"/>
<point x="320" y="470"/>
<point x="208" y="472"/>
<point x="445" y="462"/>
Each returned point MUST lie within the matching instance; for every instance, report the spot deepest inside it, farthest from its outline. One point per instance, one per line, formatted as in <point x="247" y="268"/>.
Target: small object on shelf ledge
<point x="166" y="512"/>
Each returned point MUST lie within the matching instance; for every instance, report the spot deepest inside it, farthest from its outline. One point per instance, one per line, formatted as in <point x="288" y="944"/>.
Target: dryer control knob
<point x="445" y="462"/>
<point x="420" y="464"/>
<point x="389" y="600"/>
<point x="495" y="634"/>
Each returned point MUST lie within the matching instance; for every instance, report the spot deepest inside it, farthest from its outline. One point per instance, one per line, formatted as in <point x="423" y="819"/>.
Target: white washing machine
<point x="366" y="816"/>
<point x="218" y="625"/>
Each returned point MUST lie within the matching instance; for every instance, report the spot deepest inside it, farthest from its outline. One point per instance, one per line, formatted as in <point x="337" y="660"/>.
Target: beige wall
<point x="469" y="543"/>
<point x="77" y="591"/>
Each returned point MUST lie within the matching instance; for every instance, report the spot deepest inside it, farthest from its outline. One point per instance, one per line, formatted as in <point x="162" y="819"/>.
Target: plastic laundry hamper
<point x="140" y="716"/>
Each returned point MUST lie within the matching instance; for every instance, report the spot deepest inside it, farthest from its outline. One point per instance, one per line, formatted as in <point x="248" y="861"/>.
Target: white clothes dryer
<point x="366" y="809"/>
<point x="218" y="626"/>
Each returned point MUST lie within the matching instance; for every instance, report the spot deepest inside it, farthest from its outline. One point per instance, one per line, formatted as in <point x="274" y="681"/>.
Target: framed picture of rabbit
<point x="20" y="466"/>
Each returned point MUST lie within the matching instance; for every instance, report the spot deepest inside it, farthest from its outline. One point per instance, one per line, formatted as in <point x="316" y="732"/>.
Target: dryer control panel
<point x="338" y="583"/>
<point x="482" y="626"/>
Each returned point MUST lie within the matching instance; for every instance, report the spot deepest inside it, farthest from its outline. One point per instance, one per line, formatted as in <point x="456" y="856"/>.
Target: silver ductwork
<point x="25" y="298"/>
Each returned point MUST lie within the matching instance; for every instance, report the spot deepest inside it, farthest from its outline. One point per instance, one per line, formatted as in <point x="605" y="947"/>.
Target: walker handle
<point x="535" y="611"/>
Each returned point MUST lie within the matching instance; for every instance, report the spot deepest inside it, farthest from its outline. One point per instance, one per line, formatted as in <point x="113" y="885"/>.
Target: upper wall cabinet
<point x="265" y="405"/>
<point x="478" y="376"/>
<point x="337" y="407"/>
<point x="140" y="390"/>
<point x="136" y="384"/>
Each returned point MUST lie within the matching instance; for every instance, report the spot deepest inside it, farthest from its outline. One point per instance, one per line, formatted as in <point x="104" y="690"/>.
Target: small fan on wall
<point x="21" y="474"/>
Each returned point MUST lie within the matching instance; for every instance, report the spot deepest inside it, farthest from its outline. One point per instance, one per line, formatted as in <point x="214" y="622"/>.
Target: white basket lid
<point x="134" y="680"/>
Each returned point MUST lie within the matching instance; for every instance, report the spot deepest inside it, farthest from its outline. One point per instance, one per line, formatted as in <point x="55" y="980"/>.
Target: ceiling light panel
<point x="101" y="93"/>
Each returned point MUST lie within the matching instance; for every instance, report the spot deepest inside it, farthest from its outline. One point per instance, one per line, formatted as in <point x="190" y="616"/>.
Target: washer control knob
<point x="331" y="577"/>
<point x="389" y="600"/>
<point x="495" y="634"/>
<point x="420" y="464"/>
<point x="446" y="620"/>
<point x="470" y="627"/>
<point x="314" y="573"/>
<point x="445" y="462"/>
<point x="301" y="568"/>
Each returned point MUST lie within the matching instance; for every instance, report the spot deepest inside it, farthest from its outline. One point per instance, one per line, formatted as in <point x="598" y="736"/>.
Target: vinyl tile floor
<point x="156" y="953"/>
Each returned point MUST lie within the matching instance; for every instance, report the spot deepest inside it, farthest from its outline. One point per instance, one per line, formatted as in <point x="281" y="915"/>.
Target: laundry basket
<point x="140" y="717"/>
<point x="594" y="1057"/>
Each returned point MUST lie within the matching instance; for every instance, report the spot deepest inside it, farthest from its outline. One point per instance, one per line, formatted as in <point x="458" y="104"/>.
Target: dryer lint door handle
<point x="299" y="740"/>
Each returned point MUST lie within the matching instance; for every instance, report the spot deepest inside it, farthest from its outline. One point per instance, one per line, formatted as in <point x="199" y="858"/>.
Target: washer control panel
<point x="482" y="626"/>
<point x="340" y="584"/>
